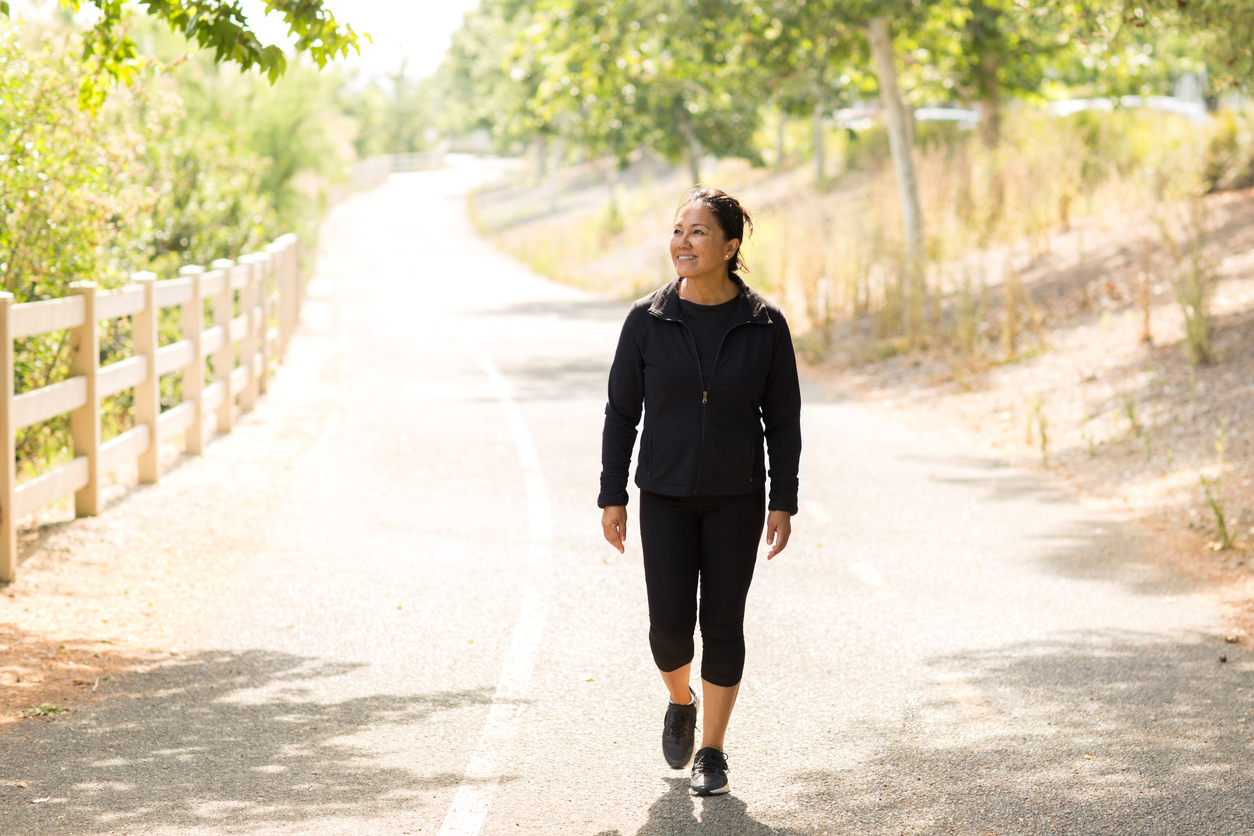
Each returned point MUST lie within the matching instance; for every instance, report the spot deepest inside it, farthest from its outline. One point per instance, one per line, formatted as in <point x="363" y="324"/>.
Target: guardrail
<point x="255" y="305"/>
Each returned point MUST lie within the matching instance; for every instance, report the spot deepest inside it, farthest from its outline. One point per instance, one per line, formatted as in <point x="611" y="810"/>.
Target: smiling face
<point x="699" y="248"/>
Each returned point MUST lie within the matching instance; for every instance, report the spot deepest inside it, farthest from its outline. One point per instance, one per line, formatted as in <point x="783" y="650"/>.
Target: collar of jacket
<point x="752" y="307"/>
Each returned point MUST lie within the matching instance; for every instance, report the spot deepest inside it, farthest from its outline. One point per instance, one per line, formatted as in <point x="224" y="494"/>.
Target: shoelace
<point x="710" y="763"/>
<point x="679" y="724"/>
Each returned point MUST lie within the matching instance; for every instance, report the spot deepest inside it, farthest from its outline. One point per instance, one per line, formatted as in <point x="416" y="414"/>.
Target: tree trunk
<point x="990" y="137"/>
<point x="899" y="140"/>
<point x="540" y="153"/>
<point x="692" y="156"/>
<point x="820" y="105"/>
<point x="990" y="104"/>
<point x="558" y="158"/>
<point x="779" y="138"/>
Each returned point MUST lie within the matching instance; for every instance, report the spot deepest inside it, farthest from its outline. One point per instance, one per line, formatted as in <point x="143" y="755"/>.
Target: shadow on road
<point x="997" y="481"/>
<point x="574" y="309"/>
<point x="558" y="380"/>
<point x="675" y="814"/>
<point x="186" y="744"/>
<point x="1092" y="733"/>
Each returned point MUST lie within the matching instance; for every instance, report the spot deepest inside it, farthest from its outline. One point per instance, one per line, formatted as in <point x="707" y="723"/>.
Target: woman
<point x="712" y="364"/>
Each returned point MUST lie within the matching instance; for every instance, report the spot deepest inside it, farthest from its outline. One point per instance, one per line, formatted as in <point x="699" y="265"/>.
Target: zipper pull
<point x="703" y="396"/>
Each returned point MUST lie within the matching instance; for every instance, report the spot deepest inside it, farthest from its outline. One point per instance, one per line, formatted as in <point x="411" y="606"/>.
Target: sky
<point x="417" y="29"/>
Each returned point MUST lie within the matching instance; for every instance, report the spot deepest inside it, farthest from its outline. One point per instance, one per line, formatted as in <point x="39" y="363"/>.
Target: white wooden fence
<point x="265" y="287"/>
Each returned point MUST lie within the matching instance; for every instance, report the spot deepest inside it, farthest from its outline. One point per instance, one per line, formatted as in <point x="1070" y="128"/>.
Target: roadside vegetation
<point x="116" y="159"/>
<point x="1054" y="256"/>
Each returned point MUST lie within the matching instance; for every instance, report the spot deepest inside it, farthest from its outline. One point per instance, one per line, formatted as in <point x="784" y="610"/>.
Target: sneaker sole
<point x="723" y="790"/>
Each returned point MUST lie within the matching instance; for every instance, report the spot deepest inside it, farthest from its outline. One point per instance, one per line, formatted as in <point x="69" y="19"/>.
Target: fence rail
<point x="254" y="306"/>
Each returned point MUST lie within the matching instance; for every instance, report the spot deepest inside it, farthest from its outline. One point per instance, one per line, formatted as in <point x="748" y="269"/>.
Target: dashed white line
<point x="474" y="796"/>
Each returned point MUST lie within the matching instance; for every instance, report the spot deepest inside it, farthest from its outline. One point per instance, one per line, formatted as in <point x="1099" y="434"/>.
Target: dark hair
<point x="732" y="218"/>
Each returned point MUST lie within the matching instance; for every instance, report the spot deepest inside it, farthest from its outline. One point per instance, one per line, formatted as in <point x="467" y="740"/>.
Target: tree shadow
<point x="544" y="379"/>
<point x="182" y="743"/>
<point x="996" y="480"/>
<point x="585" y="310"/>
<point x="1086" y="734"/>
<point x="1097" y="549"/>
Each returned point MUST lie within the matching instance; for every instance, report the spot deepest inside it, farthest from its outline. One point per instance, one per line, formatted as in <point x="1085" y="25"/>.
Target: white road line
<point x="474" y="796"/>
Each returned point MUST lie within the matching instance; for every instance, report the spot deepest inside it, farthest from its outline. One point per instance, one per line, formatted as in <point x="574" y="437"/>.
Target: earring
<point x="726" y="257"/>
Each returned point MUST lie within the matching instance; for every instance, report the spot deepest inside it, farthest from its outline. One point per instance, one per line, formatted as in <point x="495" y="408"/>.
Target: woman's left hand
<point x="778" y="529"/>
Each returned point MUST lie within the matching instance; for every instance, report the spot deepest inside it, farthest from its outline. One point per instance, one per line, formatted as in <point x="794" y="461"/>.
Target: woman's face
<point x="698" y="246"/>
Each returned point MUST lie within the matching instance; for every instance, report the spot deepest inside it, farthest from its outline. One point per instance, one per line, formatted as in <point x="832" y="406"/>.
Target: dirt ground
<point x="1129" y="426"/>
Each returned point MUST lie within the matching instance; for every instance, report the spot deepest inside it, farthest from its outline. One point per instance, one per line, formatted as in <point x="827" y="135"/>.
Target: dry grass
<point x="1132" y="425"/>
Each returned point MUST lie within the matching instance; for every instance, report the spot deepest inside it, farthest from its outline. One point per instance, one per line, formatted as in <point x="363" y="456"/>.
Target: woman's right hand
<point x="614" y="526"/>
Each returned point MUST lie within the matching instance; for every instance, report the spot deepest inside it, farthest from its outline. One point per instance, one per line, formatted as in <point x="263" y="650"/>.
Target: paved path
<point x="429" y="636"/>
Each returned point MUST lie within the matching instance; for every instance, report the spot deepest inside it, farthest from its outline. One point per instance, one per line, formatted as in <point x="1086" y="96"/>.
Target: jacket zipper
<point x="705" y="393"/>
<point x="704" y="398"/>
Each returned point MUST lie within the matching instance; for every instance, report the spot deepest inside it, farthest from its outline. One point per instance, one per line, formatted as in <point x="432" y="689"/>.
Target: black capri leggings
<point x="707" y="540"/>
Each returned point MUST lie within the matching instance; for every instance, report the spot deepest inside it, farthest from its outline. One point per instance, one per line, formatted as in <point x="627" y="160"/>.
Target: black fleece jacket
<point x="699" y="441"/>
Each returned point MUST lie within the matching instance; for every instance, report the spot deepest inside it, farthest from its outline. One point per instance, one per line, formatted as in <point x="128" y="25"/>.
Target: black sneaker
<point x="709" y="773"/>
<point x="679" y="729"/>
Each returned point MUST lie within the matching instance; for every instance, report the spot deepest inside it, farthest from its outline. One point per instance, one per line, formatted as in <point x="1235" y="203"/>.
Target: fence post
<point x="194" y="374"/>
<point x="85" y="421"/>
<point x="298" y="282"/>
<point x="8" y="471"/>
<point x="248" y="346"/>
<point x="271" y="287"/>
<point x="264" y="281"/>
<point x="224" y="359"/>
<point x="280" y="313"/>
<point x="148" y="394"/>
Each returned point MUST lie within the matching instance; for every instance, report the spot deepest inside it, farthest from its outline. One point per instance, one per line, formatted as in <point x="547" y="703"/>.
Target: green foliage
<point x="45" y="710"/>
<point x="95" y="196"/>
<point x="1230" y="153"/>
<point x="482" y="86"/>
<point x="613" y="77"/>
<point x="398" y="120"/>
<point x="1195" y="279"/>
<point x="217" y="25"/>
<point x="1213" y="491"/>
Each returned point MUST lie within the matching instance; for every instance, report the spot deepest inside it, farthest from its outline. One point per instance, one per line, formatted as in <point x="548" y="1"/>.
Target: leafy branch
<point x="219" y="25"/>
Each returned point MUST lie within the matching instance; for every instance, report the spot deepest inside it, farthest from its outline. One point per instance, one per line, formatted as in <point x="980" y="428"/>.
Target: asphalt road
<point x="429" y="635"/>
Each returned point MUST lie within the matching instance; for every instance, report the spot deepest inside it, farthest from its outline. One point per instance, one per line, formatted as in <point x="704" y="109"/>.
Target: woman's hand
<point x="778" y="530"/>
<point x="614" y="526"/>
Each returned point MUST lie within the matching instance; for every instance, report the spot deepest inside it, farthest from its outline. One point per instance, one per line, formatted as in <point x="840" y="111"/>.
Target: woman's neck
<point x="708" y="290"/>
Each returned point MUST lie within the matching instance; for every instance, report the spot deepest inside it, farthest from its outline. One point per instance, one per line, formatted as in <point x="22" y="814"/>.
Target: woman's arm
<point x="781" y="420"/>
<point x="622" y="414"/>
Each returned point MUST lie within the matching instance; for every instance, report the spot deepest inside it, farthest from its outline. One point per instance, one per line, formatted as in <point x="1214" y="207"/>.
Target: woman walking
<point x="711" y="362"/>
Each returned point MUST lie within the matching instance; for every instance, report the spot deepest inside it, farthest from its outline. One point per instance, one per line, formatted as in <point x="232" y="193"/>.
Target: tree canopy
<point x="218" y="25"/>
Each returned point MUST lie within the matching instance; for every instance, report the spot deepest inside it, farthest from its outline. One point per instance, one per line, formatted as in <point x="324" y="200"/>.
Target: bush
<point x="98" y="196"/>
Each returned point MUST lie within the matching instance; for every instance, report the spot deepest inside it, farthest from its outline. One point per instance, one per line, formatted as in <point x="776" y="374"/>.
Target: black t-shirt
<point x="709" y="324"/>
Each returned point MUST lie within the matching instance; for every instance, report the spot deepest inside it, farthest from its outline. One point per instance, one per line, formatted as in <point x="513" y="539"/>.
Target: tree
<point x="901" y="143"/>
<point x="219" y="25"/>
<point x="811" y="57"/>
<point x="643" y="73"/>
